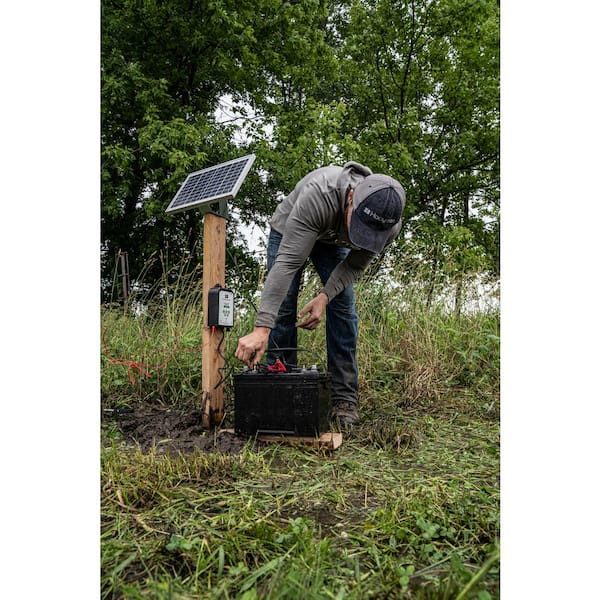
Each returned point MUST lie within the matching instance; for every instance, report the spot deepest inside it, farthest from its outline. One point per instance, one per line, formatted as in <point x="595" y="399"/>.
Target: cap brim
<point x="366" y="238"/>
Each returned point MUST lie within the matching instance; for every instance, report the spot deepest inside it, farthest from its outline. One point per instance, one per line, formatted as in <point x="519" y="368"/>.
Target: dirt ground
<point x="172" y="431"/>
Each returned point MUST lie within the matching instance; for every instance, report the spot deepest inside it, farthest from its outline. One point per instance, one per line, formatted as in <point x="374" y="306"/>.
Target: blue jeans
<point x="341" y="326"/>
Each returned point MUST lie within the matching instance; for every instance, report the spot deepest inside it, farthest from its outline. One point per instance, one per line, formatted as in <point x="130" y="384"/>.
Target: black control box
<point x="296" y="402"/>
<point x="220" y="307"/>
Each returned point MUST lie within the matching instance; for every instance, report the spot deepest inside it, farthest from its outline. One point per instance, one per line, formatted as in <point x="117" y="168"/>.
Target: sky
<point x="255" y="236"/>
<point x="50" y="243"/>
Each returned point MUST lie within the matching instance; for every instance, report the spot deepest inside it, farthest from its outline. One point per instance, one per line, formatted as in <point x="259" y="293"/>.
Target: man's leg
<point x="342" y="335"/>
<point x="284" y="334"/>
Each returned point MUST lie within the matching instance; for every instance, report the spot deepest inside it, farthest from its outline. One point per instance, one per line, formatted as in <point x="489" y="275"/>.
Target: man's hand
<point x="315" y="310"/>
<point x="252" y="346"/>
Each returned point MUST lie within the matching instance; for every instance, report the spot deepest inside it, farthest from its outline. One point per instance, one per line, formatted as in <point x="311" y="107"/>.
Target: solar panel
<point x="217" y="183"/>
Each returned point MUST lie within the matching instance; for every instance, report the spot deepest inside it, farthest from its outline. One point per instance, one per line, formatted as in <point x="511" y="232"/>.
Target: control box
<point x="220" y="307"/>
<point x="295" y="402"/>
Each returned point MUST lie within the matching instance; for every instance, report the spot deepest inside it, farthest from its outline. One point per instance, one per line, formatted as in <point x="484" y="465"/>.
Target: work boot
<point x="344" y="414"/>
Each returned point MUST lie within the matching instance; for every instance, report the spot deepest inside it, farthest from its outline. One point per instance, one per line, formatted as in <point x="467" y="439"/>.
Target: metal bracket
<point x="216" y="208"/>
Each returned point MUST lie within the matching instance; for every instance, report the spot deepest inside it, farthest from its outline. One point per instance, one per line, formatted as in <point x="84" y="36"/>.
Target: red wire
<point x="145" y="369"/>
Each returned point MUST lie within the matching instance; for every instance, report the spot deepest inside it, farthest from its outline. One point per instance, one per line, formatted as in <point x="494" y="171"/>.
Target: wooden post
<point x="213" y="273"/>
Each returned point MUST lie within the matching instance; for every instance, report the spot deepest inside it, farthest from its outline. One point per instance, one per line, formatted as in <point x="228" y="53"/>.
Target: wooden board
<point x="328" y="440"/>
<point x="212" y="361"/>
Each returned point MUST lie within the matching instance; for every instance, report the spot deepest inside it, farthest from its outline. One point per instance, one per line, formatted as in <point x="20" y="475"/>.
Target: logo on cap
<point x="381" y="210"/>
<point x="375" y="216"/>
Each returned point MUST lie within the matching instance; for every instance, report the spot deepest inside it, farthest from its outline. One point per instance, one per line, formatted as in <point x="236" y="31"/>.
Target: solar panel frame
<point x="222" y="182"/>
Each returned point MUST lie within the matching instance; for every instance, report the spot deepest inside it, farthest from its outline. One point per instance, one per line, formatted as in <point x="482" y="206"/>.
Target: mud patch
<point x="172" y="431"/>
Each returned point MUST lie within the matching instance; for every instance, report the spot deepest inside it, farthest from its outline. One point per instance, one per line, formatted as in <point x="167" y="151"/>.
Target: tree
<point x="423" y="99"/>
<point x="409" y="88"/>
<point x="165" y="66"/>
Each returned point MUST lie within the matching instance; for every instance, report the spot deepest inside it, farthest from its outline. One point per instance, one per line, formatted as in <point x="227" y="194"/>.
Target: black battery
<point x="293" y="403"/>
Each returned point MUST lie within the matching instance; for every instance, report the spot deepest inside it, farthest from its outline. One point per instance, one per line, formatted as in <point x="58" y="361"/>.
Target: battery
<point x="293" y="403"/>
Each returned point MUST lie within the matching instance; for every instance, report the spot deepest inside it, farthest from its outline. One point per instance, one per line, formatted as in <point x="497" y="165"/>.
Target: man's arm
<point x="301" y="233"/>
<point x="303" y="227"/>
<point x="347" y="272"/>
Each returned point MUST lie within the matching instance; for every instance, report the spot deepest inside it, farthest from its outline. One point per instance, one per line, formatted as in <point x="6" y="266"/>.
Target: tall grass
<point x="408" y="507"/>
<point x="427" y="354"/>
<point x="418" y="351"/>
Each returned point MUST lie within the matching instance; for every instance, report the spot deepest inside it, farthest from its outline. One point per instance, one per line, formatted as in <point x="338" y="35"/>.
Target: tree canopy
<point x="409" y="88"/>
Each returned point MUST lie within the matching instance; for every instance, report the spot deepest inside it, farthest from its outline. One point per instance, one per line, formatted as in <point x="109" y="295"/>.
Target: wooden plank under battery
<point x="329" y="440"/>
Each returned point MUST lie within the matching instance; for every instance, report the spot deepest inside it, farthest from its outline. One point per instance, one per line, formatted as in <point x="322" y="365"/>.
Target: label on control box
<point x="225" y="308"/>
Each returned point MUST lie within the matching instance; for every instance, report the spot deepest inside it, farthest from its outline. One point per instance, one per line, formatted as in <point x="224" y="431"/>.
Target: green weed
<point x="407" y="507"/>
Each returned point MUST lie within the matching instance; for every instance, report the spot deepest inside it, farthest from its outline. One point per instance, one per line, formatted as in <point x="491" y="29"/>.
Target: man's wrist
<point x="263" y="330"/>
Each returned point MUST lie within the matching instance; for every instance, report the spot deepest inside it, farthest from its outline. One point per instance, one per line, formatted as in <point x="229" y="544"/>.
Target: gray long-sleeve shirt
<point x="314" y="211"/>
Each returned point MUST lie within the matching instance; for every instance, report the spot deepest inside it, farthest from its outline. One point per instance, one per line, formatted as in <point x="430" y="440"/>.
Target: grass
<point x="407" y="507"/>
<point x="375" y="519"/>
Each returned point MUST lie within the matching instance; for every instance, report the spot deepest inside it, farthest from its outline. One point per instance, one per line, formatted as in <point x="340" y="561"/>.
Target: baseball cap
<point x="378" y="203"/>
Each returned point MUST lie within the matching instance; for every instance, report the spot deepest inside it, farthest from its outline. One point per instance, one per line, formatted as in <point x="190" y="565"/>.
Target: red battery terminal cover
<point x="277" y="367"/>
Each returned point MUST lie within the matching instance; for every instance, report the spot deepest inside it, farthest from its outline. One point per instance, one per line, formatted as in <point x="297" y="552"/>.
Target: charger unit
<point x="220" y="307"/>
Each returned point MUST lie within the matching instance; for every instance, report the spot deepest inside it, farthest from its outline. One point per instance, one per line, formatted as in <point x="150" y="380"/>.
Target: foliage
<point x="407" y="88"/>
<point x="414" y="93"/>
<point x="164" y="68"/>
